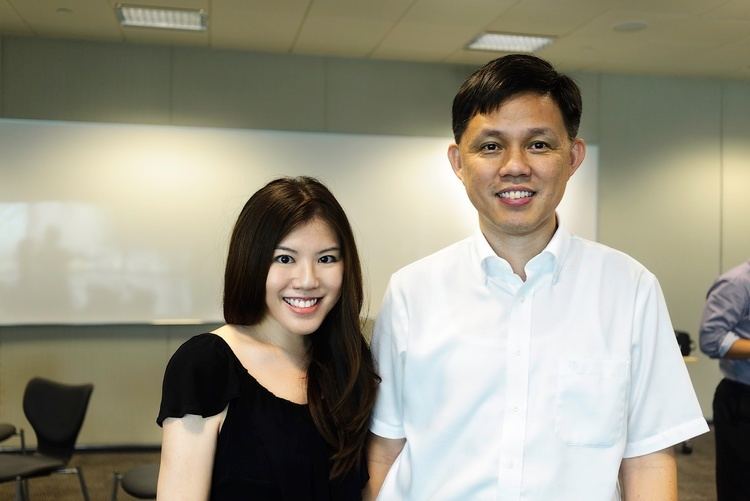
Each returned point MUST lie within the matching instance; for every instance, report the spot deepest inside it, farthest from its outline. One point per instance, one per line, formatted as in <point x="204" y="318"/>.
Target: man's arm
<point x="739" y="349"/>
<point x="652" y="477"/>
<point x="722" y="312"/>
<point x="381" y="454"/>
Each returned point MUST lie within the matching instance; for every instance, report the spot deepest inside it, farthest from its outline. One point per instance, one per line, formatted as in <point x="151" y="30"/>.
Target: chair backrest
<point x="684" y="341"/>
<point x="56" y="413"/>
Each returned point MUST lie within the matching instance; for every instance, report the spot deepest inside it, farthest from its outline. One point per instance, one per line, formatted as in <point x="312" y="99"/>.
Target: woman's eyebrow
<point x="287" y="249"/>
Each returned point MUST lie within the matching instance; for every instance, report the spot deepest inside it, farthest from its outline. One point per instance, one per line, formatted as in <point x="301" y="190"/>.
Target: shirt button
<point x="517" y="353"/>
<point x="515" y="409"/>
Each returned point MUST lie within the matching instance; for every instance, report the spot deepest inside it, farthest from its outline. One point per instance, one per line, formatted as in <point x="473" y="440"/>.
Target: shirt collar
<point x="552" y="257"/>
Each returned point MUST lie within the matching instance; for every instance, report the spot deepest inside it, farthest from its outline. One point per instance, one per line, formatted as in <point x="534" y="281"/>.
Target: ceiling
<point x="709" y="38"/>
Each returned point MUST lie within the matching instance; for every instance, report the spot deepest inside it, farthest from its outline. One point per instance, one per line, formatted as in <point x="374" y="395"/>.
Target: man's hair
<point x="341" y="379"/>
<point x="495" y="82"/>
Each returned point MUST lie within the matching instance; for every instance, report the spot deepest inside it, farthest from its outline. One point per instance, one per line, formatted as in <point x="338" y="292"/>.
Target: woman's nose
<point x="307" y="277"/>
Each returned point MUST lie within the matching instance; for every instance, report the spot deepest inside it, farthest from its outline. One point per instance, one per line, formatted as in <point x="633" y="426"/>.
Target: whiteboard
<point x="111" y="223"/>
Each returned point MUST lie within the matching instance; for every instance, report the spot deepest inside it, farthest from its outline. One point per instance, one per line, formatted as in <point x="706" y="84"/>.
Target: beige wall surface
<point x="124" y="362"/>
<point x="672" y="189"/>
<point x="672" y="171"/>
<point x="735" y="213"/>
<point x="108" y="82"/>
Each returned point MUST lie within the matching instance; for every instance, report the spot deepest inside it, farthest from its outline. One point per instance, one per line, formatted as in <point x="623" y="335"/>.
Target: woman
<point x="275" y="405"/>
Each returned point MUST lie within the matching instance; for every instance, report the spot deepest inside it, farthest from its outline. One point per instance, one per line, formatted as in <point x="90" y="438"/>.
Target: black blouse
<point x="268" y="448"/>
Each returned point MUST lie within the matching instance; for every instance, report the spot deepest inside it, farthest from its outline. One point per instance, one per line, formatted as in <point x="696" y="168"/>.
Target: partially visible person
<point x="525" y="363"/>
<point x="275" y="405"/>
<point x="725" y="334"/>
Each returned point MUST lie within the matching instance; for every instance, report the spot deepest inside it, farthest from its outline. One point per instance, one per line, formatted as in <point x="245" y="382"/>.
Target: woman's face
<point x="304" y="280"/>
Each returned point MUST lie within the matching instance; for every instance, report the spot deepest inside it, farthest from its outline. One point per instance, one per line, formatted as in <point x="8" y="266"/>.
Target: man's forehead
<point x="491" y="108"/>
<point x="547" y="116"/>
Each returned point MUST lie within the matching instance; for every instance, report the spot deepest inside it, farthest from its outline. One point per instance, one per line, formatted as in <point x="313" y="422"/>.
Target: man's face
<point x="514" y="164"/>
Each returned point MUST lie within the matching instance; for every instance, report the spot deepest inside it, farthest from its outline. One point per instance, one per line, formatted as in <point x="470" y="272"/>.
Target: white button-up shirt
<point x="535" y="390"/>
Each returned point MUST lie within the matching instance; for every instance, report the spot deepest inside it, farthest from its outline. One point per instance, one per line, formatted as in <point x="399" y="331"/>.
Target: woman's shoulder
<point x="202" y="346"/>
<point x="200" y="378"/>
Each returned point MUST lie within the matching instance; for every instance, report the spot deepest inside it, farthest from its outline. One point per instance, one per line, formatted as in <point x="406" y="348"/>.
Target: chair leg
<point x="84" y="490"/>
<point x="19" y="489"/>
<point x="116" y="479"/>
<point x="22" y="489"/>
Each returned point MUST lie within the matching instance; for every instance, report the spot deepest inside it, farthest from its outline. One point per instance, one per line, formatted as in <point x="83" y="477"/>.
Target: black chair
<point x="139" y="482"/>
<point x="55" y="412"/>
<point x="685" y="342"/>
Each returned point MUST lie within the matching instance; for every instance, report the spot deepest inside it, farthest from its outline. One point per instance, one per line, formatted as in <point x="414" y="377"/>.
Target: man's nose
<point x="515" y="163"/>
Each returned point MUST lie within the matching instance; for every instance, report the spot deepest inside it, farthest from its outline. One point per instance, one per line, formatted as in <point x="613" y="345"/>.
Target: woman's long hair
<point x="341" y="379"/>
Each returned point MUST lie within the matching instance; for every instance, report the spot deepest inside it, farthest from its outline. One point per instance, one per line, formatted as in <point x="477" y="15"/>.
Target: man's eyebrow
<point x="535" y="131"/>
<point x="488" y="132"/>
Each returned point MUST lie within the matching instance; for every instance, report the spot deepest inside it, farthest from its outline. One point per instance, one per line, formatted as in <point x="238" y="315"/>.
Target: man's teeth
<point x="301" y="303"/>
<point x="515" y="194"/>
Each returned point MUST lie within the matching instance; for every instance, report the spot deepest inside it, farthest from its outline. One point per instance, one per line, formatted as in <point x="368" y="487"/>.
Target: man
<point x="524" y="362"/>
<point x="725" y="334"/>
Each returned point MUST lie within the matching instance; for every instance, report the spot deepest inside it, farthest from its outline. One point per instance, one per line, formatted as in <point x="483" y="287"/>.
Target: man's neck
<point x="520" y="249"/>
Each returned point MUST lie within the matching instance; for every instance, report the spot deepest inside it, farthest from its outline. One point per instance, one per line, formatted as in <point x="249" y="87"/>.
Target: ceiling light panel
<point x="161" y="18"/>
<point x="505" y="42"/>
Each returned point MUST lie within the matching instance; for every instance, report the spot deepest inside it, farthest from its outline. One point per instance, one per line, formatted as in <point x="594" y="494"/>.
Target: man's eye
<point x="539" y="145"/>
<point x="284" y="259"/>
<point x="328" y="259"/>
<point x="490" y="147"/>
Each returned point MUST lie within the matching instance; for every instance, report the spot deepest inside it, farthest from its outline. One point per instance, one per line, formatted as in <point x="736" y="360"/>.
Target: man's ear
<point x="454" y="157"/>
<point x="577" y="154"/>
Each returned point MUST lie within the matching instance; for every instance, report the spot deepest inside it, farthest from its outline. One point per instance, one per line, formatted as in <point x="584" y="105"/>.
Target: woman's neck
<point x="271" y="334"/>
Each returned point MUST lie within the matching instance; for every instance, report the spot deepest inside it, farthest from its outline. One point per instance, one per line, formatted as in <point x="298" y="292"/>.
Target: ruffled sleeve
<point x="201" y="378"/>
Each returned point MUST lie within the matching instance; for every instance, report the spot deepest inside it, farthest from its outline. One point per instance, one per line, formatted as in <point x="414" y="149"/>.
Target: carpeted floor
<point x="696" y="475"/>
<point x="695" y="472"/>
<point x="98" y="469"/>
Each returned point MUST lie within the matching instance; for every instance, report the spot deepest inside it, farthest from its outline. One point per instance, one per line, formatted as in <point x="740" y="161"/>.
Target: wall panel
<point x="736" y="175"/>
<point x="659" y="197"/>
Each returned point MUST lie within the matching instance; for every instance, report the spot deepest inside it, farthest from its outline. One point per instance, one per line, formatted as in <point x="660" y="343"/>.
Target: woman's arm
<point x="187" y="456"/>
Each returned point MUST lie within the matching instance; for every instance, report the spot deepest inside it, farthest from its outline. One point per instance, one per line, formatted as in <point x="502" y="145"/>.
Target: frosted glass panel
<point x="103" y="223"/>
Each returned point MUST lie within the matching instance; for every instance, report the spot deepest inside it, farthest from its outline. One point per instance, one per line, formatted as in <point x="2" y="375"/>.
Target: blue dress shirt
<point x="726" y="318"/>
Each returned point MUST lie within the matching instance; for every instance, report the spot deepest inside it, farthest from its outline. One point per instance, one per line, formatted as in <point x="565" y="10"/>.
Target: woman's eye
<point x="328" y="259"/>
<point x="284" y="259"/>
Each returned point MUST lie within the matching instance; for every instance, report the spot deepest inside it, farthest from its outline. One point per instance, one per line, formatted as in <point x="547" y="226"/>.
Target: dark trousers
<point x="732" y="425"/>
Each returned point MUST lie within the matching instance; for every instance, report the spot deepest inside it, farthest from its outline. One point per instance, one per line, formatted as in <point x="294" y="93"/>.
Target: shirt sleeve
<point x="200" y="379"/>
<point x="389" y="353"/>
<point x="663" y="407"/>
<point x="725" y="307"/>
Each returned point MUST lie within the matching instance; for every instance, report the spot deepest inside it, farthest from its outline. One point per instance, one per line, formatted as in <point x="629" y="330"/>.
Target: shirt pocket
<point x="591" y="401"/>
